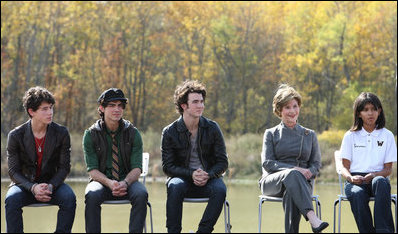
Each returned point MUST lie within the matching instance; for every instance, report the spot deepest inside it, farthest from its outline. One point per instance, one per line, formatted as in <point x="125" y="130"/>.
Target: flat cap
<point x="112" y="94"/>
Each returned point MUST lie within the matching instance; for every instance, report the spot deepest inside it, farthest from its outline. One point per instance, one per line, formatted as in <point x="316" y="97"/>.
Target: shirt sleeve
<point x="90" y="156"/>
<point x="14" y="163"/>
<point x="136" y="153"/>
<point x="269" y="162"/>
<point x="391" y="153"/>
<point x="346" y="147"/>
<point x="315" y="158"/>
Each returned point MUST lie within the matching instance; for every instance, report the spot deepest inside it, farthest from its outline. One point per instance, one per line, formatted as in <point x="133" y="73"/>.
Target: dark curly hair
<point x="183" y="90"/>
<point x="35" y="96"/>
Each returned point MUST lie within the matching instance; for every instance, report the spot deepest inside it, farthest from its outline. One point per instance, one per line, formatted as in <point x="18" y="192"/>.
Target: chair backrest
<point x="339" y="165"/>
<point x="145" y="166"/>
<point x="338" y="161"/>
<point x="262" y="168"/>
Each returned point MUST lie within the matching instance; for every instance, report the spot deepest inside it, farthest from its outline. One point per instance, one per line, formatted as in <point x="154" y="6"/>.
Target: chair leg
<point x="334" y="216"/>
<point x="393" y="199"/>
<point x="150" y="217"/>
<point x="318" y="208"/>
<point x="339" y="216"/>
<point x="260" y="204"/>
<point x="227" y="217"/>
<point x="320" y="211"/>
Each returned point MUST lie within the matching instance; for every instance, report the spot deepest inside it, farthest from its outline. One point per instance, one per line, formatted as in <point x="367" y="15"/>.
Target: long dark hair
<point x="360" y="103"/>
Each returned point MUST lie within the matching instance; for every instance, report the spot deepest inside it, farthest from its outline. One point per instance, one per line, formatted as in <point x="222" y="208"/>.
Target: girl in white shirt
<point x="368" y="151"/>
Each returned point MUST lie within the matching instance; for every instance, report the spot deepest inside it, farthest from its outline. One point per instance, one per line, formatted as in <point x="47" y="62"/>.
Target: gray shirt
<point x="285" y="148"/>
<point x="194" y="161"/>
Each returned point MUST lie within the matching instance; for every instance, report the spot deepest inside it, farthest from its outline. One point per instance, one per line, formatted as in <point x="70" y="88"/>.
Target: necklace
<point x="41" y="143"/>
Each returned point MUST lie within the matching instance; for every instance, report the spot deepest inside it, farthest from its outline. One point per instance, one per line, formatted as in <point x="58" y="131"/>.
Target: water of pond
<point x="242" y="196"/>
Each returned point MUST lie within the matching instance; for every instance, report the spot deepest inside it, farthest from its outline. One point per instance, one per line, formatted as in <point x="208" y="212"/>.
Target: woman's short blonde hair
<point x="284" y="94"/>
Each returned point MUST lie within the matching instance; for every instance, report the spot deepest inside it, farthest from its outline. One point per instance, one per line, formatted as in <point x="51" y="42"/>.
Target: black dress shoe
<point x="320" y="228"/>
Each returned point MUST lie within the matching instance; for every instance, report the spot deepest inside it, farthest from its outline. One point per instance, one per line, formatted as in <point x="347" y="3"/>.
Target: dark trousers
<point x="178" y="189"/>
<point x="17" y="197"/>
<point x="359" y="195"/>
<point x="96" y="194"/>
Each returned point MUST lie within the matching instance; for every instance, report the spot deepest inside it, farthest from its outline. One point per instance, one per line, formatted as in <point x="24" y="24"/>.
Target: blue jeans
<point x="96" y="194"/>
<point x="359" y="195"/>
<point x="17" y="197"/>
<point x="178" y="189"/>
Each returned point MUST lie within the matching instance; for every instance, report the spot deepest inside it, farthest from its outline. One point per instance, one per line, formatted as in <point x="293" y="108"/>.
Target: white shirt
<point x="368" y="152"/>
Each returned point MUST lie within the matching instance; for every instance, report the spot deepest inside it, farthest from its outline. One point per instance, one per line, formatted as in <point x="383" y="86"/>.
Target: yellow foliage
<point x="333" y="137"/>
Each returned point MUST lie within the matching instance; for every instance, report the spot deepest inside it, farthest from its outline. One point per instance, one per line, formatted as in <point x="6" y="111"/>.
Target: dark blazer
<point x="21" y="155"/>
<point x="176" y="151"/>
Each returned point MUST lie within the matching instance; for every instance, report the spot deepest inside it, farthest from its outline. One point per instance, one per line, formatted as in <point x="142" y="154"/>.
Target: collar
<point x="374" y="133"/>
<point x="108" y="131"/>
<point x="181" y="127"/>
<point x="100" y="126"/>
<point x="295" y="128"/>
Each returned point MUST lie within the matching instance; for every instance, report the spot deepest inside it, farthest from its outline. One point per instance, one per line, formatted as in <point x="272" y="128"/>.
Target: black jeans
<point x="178" y="189"/>
<point x="63" y="196"/>
<point x="96" y="194"/>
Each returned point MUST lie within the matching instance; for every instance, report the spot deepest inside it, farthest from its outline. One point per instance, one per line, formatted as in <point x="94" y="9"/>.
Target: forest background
<point x="241" y="51"/>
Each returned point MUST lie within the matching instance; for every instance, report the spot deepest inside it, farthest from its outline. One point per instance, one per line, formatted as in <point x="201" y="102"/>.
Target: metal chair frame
<point x="227" y="217"/>
<point x="264" y="198"/>
<point x="145" y="168"/>
<point x="342" y="197"/>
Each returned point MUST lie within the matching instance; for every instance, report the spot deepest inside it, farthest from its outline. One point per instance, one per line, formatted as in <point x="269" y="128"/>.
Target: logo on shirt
<point x="359" y="146"/>
<point x="380" y="143"/>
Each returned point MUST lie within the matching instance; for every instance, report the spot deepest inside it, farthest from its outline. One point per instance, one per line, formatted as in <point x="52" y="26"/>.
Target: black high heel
<point x="320" y="228"/>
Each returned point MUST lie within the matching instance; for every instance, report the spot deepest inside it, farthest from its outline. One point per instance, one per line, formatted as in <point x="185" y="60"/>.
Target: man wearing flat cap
<point x="113" y="154"/>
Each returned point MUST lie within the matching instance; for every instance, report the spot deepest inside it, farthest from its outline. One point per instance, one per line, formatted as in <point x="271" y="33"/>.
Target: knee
<point x="220" y="190"/>
<point x="294" y="175"/>
<point x="380" y="184"/>
<point x="356" y="195"/>
<point x="93" y="198"/>
<point x="66" y="193"/>
<point x="176" y="186"/>
<point x="139" y="194"/>
<point x="380" y="181"/>
<point x="13" y="202"/>
<point x="143" y="196"/>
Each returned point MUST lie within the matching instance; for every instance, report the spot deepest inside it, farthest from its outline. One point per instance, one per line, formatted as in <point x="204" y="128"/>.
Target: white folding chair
<point x="342" y="197"/>
<point x="264" y="198"/>
<point x="227" y="217"/>
<point x="145" y="167"/>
